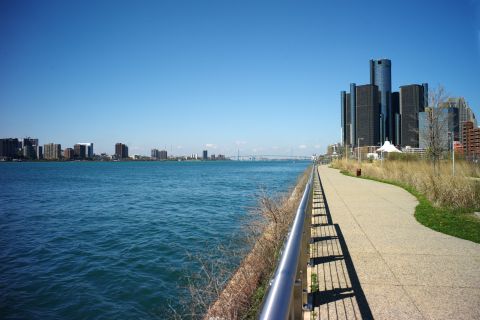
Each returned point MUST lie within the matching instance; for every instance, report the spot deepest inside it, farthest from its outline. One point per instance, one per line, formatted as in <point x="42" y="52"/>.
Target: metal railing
<point x="279" y="301"/>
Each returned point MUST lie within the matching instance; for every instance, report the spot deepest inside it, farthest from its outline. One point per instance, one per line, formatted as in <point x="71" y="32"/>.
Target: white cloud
<point x="210" y="145"/>
<point x="302" y="146"/>
<point x="317" y="146"/>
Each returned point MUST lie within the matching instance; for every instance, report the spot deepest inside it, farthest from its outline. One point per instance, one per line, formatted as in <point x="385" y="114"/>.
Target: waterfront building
<point x="155" y="154"/>
<point x="28" y="152"/>
<point x="9" y="148"/>
<point x="353" y="114"/>
<point x="205" y="155"/>
<point x="88" y="149"/>
<point x="346" y="118"/>
<point x="39" y="150"/>
<point x="471" y="140"/>
<point x="411" y="103"/>
<point x="52" y="151"/>
<point x="396" y="118"/>
<point x="221" y="157"/>
<point x="163" y="155"/>
<point x="381" y="76"/>
<point x="212" y="157"/>
<point x="367" y="124"/>
<point x="121" y="151"/>
<point x="80" y="152"/>
<point x="69" y="154"/>
<point x="29" y="142"/>
<point x="465" y="113"/>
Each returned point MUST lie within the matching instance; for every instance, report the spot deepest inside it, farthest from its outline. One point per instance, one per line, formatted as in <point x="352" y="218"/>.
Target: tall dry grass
<point x="439" y="186"/>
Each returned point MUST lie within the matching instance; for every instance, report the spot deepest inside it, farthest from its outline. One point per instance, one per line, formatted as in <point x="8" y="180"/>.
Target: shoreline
<point x="244" y="291"/>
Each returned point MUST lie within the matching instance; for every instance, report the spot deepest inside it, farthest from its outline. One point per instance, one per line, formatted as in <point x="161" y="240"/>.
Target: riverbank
<point x="244" y="292"/>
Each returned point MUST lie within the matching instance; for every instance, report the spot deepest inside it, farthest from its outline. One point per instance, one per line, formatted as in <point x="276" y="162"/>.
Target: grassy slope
<point x="457" y="223"/>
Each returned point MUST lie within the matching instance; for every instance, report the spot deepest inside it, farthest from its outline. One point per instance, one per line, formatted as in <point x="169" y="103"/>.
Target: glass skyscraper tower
<point x="381" y="76"/>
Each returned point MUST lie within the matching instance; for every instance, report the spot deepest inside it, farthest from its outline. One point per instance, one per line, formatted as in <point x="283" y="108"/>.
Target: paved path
<point x="405" y="270"/>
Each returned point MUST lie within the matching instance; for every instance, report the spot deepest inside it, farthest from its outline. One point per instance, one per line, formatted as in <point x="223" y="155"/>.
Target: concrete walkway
<point x="405" y="270"/>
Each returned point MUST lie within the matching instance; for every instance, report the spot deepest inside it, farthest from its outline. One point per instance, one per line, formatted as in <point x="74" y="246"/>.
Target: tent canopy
<point x="388" y="147"/>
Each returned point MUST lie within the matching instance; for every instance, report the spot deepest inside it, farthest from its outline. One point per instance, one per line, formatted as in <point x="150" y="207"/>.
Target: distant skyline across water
<point x="259" y="77"/>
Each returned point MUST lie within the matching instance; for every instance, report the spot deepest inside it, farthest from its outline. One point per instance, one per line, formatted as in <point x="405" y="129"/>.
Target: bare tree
<point x="434" y="126"/>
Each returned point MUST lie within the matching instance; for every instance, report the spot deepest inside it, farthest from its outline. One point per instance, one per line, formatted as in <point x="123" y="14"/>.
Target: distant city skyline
<point x="262" y="78"/>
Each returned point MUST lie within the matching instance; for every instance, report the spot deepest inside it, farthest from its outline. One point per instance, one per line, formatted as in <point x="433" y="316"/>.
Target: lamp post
<point x="358" y="146"/>
<point x="453" y="153"/>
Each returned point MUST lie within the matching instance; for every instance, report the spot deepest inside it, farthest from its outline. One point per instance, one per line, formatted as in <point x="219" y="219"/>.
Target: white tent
<point x="388" y="147"/>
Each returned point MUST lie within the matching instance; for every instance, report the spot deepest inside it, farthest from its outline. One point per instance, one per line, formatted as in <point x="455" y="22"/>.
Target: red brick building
<point x="471" y="140"/>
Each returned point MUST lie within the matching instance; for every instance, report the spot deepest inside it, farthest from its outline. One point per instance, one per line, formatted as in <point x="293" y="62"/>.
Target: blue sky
<point x="260" y="76"/>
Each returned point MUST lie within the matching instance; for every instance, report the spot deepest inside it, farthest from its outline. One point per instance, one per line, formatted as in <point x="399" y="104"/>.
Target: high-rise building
<point x="471" y="140"/>
<point x="80" y="151"/>
<point x="411" y="103"/>
<point x="163" y="155"/>
<point x="343" y="116"/>
<point x="29" y="142"/>
<point x="9" y="148"/>
<point x="52" y="151"/>
<point x="346" y="118"/>
<point x="69" y="154"/>
<point x="353" y="114"/>
<point x="28" y="152"/>
<point x="155" y="154"/>
<point x="465" y="113"/>
<point x="88" y="149"/>
<point x="205" y="154"/>
<point x="39" y="150"/>
<point x="381" y="76"/>
<point x="367" y="124"/>
<point x="121" y="151"/>
<point x="396" y="118"/>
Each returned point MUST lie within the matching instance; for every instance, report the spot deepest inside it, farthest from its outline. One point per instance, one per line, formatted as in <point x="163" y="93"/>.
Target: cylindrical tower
<point x="381" y="76"/>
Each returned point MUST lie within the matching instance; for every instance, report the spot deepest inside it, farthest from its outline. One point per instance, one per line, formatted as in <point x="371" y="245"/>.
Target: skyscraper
<point x="411" y="103"/>
<point x="68" y="154"/>
<point x="88" y="149"/>
<point x="155" y="154"/>
<point x="396" y="118"/>
<point x="52" y="151"/>
<point x="205" y="155"/>
<point x="465" y="113"/>
<point x="367" y="124"/>
<point x="353" y="114"/>
<point x="9" y="148"/>
<point x="121" y="151"/>
<point x="80" y="152"/>
<point x="163" y="155"/>
<point x="346" y="118"/>
<point x="381" y="76"/>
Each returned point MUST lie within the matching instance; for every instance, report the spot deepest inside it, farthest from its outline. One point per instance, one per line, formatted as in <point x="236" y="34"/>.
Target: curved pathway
<point x="406" y="270"/>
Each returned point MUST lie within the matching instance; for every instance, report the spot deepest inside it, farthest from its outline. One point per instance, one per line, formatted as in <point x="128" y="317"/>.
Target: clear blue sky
<point x="261" y="76"/>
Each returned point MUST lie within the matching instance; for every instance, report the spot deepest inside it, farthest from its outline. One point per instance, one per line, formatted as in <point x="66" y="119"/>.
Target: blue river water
<point x="100" y="240"/>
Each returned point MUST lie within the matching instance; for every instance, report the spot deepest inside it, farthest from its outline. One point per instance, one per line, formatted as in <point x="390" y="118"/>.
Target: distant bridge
<point x="260" y="157"/>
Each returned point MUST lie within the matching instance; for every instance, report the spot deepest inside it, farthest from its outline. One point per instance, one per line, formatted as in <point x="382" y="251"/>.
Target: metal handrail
<point x="277" y="303"/>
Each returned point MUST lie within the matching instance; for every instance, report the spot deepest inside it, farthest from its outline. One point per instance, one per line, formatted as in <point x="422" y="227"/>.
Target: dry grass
<point x="461" y="191"/>
<point x="214" y="298"/>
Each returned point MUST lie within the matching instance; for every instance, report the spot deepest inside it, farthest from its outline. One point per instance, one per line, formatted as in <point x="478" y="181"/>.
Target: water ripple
<point x="111" y="240"/>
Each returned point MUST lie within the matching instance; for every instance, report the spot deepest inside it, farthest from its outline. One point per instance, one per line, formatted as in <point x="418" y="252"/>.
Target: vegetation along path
<point x="396" y="268"/>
